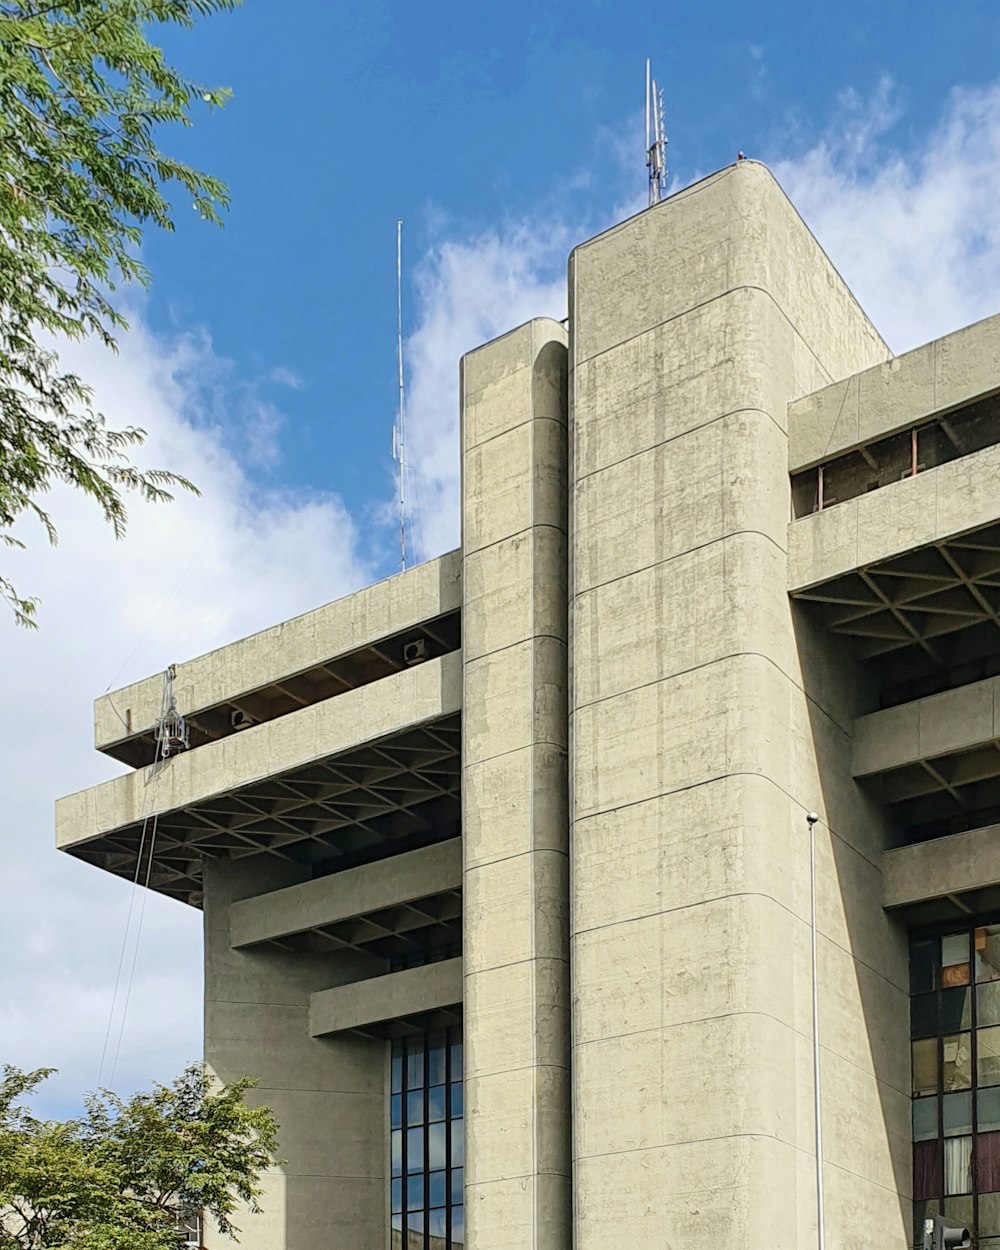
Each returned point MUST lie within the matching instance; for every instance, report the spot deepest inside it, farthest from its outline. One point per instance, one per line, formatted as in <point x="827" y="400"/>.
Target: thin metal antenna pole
<point x="401" y="419"/>
<point x="647" y="109"/>
<point x="811" y="819"/>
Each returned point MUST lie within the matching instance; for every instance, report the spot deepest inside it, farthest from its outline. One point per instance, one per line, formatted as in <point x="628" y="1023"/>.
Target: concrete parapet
<point x="938" y="504"/>
<point x="388" y="607"/>
<point x="932" y="379"/>
<point x="394" y="996"/>
<point x="942" y="724"/>
<point x="419" y="695"/>
<point x="343" y="895"/>
<point x="960" y="864"/>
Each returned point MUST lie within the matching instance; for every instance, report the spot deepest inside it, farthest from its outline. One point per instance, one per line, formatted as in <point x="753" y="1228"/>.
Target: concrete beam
<point x="939" y="504"/>
<point x="417" y="696"/>
<point x="389" y="607"/>
<point x="956" y="865"/>
<point x="379" y="999"/>
<point x="942" y="724"/>
<point x="939" y="376"/>
<point x="346" y="895"/>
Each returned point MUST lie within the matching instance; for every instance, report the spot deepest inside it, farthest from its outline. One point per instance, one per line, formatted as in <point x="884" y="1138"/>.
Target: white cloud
<point x="190" y="576"/>
<point x="914" y="231"/>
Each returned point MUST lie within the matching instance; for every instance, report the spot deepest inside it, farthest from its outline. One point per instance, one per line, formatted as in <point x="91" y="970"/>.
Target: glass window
<point x="457" y="1100"/>
<point x="426" y="1186"/>
<point x="988" y="1056"/>
<point x="924" y="1015"/>
<point x="956" y="1009"/>
<point x="925" y="1119"/>
<point x="956" y="1061"/>
<point x="457" y="1143"/>
<point x="415" y="1107"/>
<point x="958" y="1165"/>
<point x="988" y="1109"/>
<point x="989" y="1215"/>
<point x="988" y="1162"/>
<point x="954" y="949"/>
<point x="987" y="943"/>
<point x="988" y="1003"/>
<point x="435" y="1102"/>
<point x="924" y="1058"/>
<point x="956" y="1114"/>
<point x="922" y="963"/>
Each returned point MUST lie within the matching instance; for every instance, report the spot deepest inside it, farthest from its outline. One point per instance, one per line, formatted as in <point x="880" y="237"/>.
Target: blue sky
<point x="262" y="362"/>
<point x="458" y="117"/>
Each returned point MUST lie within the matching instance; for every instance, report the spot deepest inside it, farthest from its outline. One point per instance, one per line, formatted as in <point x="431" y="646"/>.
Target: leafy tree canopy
<point x="130" y="1173"/>
<point x="84" y="95"/>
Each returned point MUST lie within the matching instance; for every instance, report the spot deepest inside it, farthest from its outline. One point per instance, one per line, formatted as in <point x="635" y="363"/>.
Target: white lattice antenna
<point x="399" y="429"/>
<point x="656" y="140"/>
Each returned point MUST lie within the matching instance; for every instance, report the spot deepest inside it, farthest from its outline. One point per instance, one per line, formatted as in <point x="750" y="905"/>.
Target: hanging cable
<point x="147" y="804"/>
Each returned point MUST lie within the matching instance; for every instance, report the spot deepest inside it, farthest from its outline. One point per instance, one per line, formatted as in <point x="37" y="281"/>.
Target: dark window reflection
<point x="428" y="1142"/>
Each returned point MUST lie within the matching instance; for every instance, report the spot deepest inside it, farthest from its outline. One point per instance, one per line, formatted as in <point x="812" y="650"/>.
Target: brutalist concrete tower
<point x="504" y="861"/>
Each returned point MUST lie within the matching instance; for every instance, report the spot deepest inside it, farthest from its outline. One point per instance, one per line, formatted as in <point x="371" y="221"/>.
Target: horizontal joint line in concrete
<point x="505" y="859"/>
<point x="520" y="1067"/>
<point x="716" y="898"/>
<point x="525" y="746"/>
<point x="513" y="963"/>
<point x="694" y="429"/>
<point x="802" y="1150"/>
<point x="707" y="781"/>
<point x="745" y="286"/>
<point x="509" y="646"/>
<point x="528" y="529"/>
<point x="528" y="420"/>
<point x="762" y="1015"/>
<point x="676" y="555"/>
<point x="517" y="1176"/>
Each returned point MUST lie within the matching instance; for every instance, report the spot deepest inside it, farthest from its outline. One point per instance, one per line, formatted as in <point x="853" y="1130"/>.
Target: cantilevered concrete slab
<point x="387" y="886"/>
<point x="335" y="648"/>
<point x="931" y="509"/>
<point x="962" y="866"/>
<point x="345" y="774"/>
<point x="398" y="996"/>
<point x="925" y="729"/>
<point x="895" y="395"/>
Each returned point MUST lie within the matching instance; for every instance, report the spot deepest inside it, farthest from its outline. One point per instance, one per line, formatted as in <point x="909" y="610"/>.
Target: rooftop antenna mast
<point x="399" y="429"/>
<point x="656" y="140"/>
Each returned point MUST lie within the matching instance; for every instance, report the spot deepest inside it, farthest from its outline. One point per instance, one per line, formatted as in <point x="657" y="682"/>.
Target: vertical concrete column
<point x="703" y="729"/>
<point x="327" y="1093"/>
<point x="514" y="796"/>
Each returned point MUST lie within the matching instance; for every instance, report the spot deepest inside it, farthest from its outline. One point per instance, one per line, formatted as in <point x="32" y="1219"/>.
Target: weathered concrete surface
<point x="517" y="1190"/>
<point x="706" y="719"/>
<point x="344" y="895"/>
<point x="894" y="395"/>
<point x="958" y="864"/>
<point x="941" y="724"/>
<point x="389" y="997"/>
<point x="424" y="693"/>
<point x="940" y="503"/>
<point x="378" y="611"/>
<point x="327" y="1094"/>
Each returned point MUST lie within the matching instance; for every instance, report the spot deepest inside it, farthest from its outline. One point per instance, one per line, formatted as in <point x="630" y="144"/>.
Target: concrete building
<point x="504" y="861"/>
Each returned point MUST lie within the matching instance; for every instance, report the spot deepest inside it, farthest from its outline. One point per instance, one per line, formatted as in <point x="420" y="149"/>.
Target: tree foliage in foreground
<point x="84" y="95"/>
<point x="128" y="1173"/>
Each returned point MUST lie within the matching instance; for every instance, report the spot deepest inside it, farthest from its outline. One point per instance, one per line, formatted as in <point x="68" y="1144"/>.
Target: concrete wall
<point x="894" y="395"/>
<point x="327" y="1093"/>
<point x="705" y="721"/>
<point x="390" y="997"/>
<point x="514" y="791"/>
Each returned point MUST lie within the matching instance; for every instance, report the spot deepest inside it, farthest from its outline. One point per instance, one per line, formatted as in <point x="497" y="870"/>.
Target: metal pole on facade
<point x="811" y="820"/>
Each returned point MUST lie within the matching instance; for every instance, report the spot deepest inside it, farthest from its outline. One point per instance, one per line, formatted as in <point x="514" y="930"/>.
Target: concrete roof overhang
<point x="347" y="781"/>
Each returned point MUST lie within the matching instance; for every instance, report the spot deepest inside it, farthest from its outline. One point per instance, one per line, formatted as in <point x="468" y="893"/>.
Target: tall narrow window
<point x="426" y="1124"/>
<point x="955" y="1069"/>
